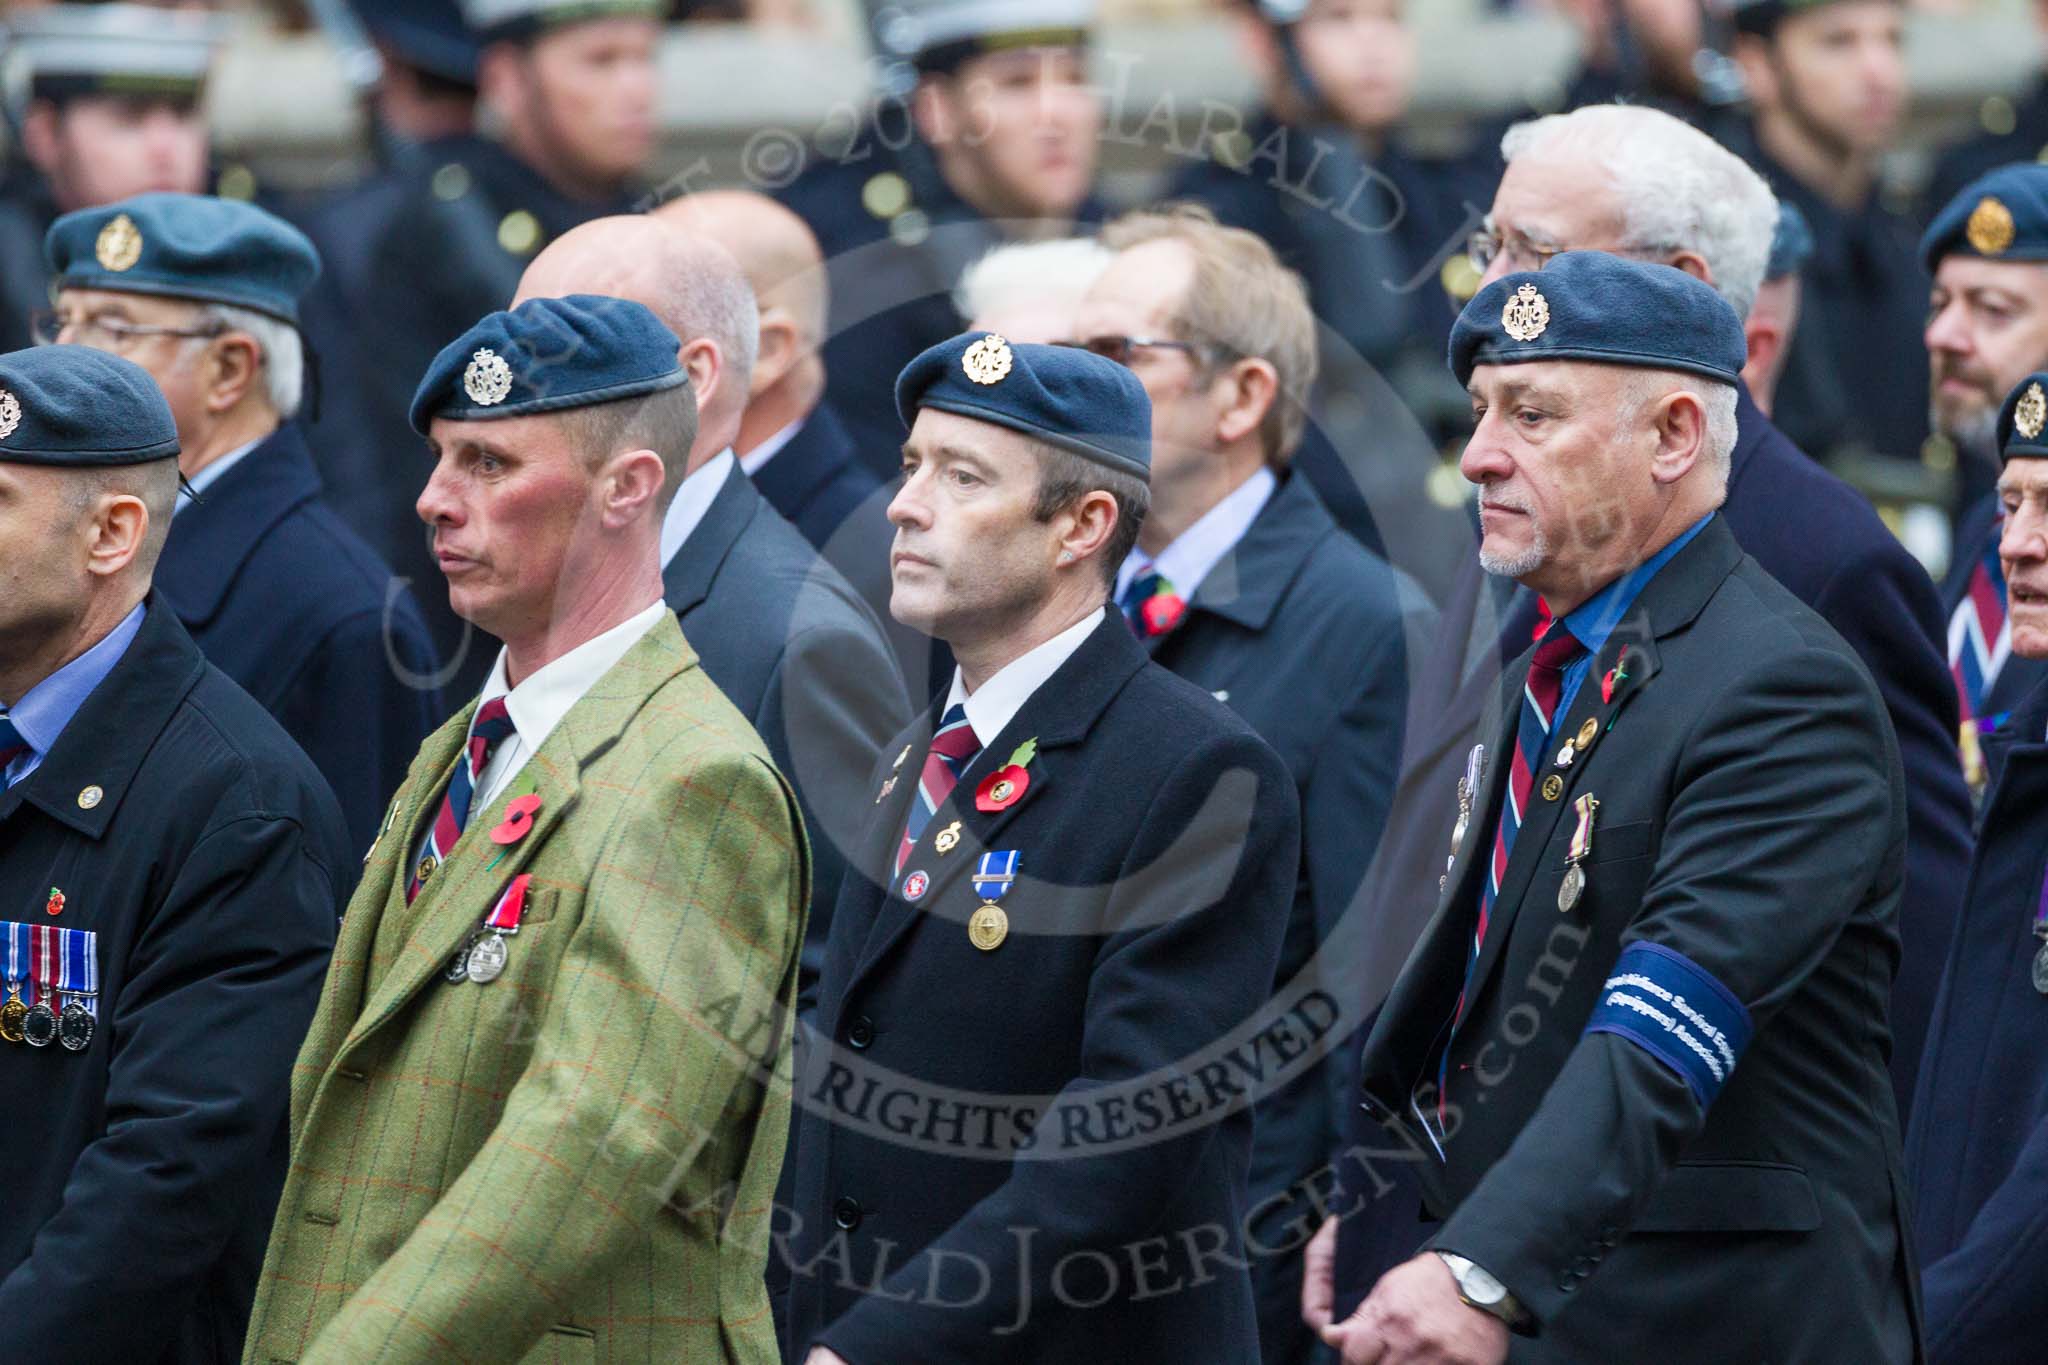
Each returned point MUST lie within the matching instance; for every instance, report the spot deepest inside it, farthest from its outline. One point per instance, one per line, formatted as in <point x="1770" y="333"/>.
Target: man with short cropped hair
<point x="570" y="967"/>
<point x="282" y="597"/>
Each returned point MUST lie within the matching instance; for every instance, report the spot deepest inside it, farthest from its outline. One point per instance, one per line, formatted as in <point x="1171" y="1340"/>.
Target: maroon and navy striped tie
<point x="953" y="748"/>
<point x="487" y="730"/>
<point x="1540" y="694"/>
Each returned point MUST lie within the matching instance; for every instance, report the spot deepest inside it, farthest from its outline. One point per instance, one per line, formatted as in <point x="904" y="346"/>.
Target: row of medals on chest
<point x="988" y="926"/>
<point x="482" y="957"/>
<point x="1573" y="886"/>
<point x="39" y="1025"/>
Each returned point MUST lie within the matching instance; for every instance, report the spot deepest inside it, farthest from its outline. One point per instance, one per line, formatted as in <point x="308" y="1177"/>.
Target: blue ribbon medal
<point x="993" y="878"/>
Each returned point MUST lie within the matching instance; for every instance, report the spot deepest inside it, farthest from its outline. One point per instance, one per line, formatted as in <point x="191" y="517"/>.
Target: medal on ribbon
<point x="2041" y="932"/>
<point x="14" y="1011"/>
<point x="39" y="1025"/>
<point x="487" y="953"/>
<point x="1468" y="792"/>
<point x="1574" y="885"/>
<point x="993" y="878"/>
<point x="78" y="987"/>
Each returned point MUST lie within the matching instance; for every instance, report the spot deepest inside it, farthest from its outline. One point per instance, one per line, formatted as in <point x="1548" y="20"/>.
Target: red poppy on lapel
<point x="518" y="819"/>
<point x="1161" y="612"/>
<point x="55" y="905"/>
<point x="1616" y="676"/>
<point x="1002" y="788"/>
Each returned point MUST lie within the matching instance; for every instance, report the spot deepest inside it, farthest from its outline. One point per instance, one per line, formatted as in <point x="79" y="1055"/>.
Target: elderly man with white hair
<point x="1640" y="1050"/>
<point x="275" y="590"/>
<point x="1637" y="183"/>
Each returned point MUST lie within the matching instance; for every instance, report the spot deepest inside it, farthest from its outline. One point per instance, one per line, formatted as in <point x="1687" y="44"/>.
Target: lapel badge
<point x="55" y="905"/>
<point x="90" y="797"/>
<point x="1553" y="787"/>
<point x="947" y="839"/>
<point x="888" y="785"/>
<point x="1567" y="754"/>
<point x="915" y="885"/>
<point x="1001" y="789"/>
<point x="900" y="758"/>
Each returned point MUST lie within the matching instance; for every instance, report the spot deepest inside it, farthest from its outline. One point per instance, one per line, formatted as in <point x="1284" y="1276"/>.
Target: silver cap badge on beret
<point x="488" y="378"/>
<point x="987" y="360"/>
<point x="119" y="245"/>
<point x="2030" y="414"/>
<point x="1526" y="315"/>
<point x="10" y="414"/>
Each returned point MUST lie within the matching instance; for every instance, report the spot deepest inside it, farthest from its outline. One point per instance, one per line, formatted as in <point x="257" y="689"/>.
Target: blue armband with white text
<point x="1666" y="1003"/>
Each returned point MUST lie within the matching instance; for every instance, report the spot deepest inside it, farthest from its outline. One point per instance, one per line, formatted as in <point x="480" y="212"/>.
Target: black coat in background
<point x="2019" y="677"/>
<point x="1159" y="844"/>
<point x="1821" y="540"/>
<point x="1977" y="1151"/>
<point x="144" y="1170"/>
<point x="292" y="605"/>
<point x="1751" y="818"/>
<point x="802" y="658"/>
<point x="1307" y="636"/>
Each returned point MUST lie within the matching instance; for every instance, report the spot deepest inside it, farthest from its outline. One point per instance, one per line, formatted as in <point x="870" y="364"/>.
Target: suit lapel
<point x="458" y="897"/>
<point x="1058" y="716"/>
<point x="687" y="579"/>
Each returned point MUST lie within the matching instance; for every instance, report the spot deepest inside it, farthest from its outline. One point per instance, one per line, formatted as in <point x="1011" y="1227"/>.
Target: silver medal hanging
<point x="487" y="959"/>
<point x="2040" y="969"/>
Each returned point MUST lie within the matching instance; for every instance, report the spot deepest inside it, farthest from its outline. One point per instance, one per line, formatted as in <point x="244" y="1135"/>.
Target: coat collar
<point x="2027" y="726"/>
<point x="112" y="734"/>
<point x="455" y="901"/>
<point x="1059" y="715"/>
<point x="212" y="538"/>
<point x="815" y="455"/>
<point x="1255" y="575"/>
<point x="687" y="579"/>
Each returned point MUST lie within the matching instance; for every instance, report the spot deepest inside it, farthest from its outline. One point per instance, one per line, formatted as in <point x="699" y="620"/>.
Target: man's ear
<point x="629" y="487"/>
<point x="1759" y="69"/>
<point x="705" y="364"/>
<point x="501" y="76"/>
<point x="782" y="346"/>
<point x="1085" y="527"/>
<point x="233" y="365"/>
<point x="120" y="525"/>
<point x="1251" y="388"/>
<point x="1681" y="421"/>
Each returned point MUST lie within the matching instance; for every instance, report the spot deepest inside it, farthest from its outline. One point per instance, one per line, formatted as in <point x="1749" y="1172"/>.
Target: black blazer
<point x="1159" y="843"/>
<point x="1306" y="635"/>
<point x="818" y="479"/>
<point x="144" y="1170"/>
<point x="1977" y="1150"/>
<point x="293" y="606"/>
<point x="1752" y="819"/>
<point x="795" y="650"/>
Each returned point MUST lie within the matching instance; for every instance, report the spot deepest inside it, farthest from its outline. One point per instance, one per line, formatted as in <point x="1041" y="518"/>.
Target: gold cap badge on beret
<point x="1527" y="314"/>
<point x="1990" y="228"/>
<point x="10" y="414"/>
<point x="987" y="360"/>
<point x="2030" y="414"/>
<point x="119" y="245"/>
<point x="488" y="378"/>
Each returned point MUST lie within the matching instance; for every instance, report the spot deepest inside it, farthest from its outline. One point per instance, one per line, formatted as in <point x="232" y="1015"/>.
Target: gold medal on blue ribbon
<point x="993" y="878"/>
<point x="1574" y="885"/>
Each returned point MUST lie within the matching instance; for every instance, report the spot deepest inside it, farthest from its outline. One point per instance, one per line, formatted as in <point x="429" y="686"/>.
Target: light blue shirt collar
<point x="1594" y="619"/>
<point x="212" y="474"/>
<point x="1197" y="550"/>
<point x="49" y="706"/>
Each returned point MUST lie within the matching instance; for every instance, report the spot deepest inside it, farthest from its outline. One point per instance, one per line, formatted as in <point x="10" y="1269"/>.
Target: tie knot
<point x="1558" y="648"/>
<point x="12" y="745"/>
<point x="493" y="721"/>
<point x="955" y="738"/>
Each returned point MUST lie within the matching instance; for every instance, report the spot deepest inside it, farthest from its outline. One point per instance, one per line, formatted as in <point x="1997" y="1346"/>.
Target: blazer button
<point x="861" y="1032"/>
<point x="847" y="1213"/>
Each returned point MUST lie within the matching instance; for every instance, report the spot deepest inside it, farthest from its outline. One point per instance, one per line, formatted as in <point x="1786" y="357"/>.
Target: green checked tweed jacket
<point x="577" y="1161"/>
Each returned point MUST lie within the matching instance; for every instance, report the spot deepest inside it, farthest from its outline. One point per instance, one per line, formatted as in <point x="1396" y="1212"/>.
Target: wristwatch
<point x="1481" y="1290"/>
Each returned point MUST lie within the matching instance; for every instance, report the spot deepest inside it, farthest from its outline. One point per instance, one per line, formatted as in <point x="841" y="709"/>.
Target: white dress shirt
<point x="997" y="701"/>
<point x="1195" y="551"/>
<point x="538" y="704"/>
<point x="761" y="454"/>
<point x="692" y="501"/>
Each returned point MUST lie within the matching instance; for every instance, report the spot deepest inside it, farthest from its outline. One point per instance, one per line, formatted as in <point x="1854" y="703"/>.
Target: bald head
<point x="693" y="285"/>
<point x="775" y="248"/>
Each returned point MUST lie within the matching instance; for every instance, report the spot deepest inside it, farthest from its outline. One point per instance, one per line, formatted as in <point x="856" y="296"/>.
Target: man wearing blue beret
<point x="1639" y="1053"/>
<point x="1987" y="328"/>
<point x="171" y="867"/>
<point x="1977" y="1150"/>
<point x="541" y="1110"/>
<point x="203" y="293"/>
<point x="1018" y="1141"/>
